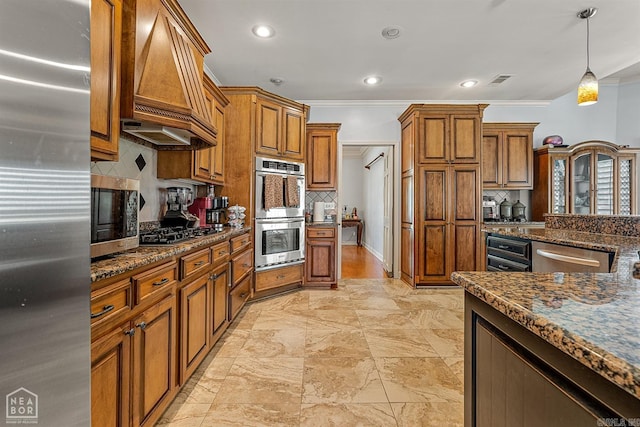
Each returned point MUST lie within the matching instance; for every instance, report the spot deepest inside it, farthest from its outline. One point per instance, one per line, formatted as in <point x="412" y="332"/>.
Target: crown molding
<point x="405" y="103"/>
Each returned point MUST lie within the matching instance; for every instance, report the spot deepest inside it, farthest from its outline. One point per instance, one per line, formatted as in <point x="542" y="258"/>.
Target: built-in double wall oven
<point x="279" y="213"/>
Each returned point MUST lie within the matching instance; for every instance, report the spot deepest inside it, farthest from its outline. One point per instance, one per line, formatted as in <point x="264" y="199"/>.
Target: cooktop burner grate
<point x="169" y="235"/>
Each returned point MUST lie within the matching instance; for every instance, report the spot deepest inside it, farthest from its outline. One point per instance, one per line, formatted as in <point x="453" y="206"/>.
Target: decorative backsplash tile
<point x="321" y="196"/>
<point x="139" y="162"/>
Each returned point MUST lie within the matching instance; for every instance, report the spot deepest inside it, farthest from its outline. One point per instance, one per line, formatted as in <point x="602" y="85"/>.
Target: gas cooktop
<point x="169" y="235"/>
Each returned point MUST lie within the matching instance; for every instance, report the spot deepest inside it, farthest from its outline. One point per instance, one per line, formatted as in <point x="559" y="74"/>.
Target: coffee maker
<point x="178" y="201"/>
<point x="216" y="216"/>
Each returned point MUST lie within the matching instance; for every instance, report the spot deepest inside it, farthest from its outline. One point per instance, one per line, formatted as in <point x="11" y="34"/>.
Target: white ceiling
<point x="323" y="49"/>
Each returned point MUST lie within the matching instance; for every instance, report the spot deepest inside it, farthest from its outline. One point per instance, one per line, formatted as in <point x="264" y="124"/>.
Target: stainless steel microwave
<point x="114" y="214"/>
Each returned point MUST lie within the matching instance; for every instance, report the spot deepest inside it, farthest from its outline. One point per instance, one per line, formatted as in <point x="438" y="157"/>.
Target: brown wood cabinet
<point x="205" y="165"/>
<point x="111" y="378"/>
<point x="153" y="326"/>
<point x="260" y="123"/>
<point x="440" y="191"/>
<point x="106" y="34"/>
<point x="321" y="257"/>
<point x="507" y="156"/>
<point x="280" y="129"/>
<point x="154" y="361"/>
<point x="322" y="156"/>
<point x="194" y="314"/>
<point x="591" y="177"/>
<point x="241" y="264"/>
<point x="278" y="278"/>
<point x="449" y="225"/>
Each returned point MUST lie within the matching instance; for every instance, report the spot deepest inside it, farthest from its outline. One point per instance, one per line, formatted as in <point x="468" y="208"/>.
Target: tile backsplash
<point x="321" y="196"/>
<point x="139" y="162"/>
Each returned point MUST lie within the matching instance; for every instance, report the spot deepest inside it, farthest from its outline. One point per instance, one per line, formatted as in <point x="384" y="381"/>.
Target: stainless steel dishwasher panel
<point x="549" y="257"/>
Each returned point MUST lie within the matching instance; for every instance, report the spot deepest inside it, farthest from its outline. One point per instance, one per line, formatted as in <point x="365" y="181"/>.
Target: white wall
<point x="352" y="194"/>
<point x="628" y="129"/>
<point x="373" y="190"/>
<point x="614" y="118"/>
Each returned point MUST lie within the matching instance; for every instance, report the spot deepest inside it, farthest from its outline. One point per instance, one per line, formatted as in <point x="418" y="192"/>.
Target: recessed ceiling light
<point x="372" y="80"/>
<point x="276" y="81"/>
<point x="263" y="31"/>
<point x="391" y="33"/>
<point x="469" y="83"/>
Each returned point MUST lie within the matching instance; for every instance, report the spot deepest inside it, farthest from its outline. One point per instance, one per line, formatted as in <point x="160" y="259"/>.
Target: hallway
<point x="374" y="352"/>
<point x="359" y="263"/>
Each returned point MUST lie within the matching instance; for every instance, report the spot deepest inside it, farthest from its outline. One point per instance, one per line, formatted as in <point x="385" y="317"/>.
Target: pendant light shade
<point x="588" y="87"/>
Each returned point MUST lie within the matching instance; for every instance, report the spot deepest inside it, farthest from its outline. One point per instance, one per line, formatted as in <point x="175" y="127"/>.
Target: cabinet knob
<point x="198" y="264"/>
<point x="142" y="325"/>
<point x="131" y="332"/>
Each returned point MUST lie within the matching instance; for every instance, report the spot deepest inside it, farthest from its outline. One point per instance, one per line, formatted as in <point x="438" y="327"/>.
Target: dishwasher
<point x="550" y="257"/>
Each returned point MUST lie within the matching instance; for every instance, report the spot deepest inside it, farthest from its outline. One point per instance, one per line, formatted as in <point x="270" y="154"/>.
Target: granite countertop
<point x="593" y="317"/>
<point x="322" y="224"/>
<point x="625" y="248"/>
<point x="121" y="262"/>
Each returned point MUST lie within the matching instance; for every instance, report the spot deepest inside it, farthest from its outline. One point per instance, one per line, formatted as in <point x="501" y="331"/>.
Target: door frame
<point x="395" y="147"/>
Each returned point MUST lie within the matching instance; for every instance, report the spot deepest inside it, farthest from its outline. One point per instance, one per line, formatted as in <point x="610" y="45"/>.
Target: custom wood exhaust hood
<point x="162" y="96"/>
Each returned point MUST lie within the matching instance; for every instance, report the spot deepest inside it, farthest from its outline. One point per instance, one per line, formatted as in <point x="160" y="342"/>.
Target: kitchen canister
<point x="505" y="210"/>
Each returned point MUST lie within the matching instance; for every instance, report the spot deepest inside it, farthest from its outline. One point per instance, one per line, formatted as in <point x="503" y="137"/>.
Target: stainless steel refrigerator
<point x="44" y="213"/>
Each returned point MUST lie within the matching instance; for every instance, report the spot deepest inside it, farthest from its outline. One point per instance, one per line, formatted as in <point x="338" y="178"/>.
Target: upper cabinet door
<point x="464" y="138"/>
<point x="268" y="127"/>
<point x="433" y="138"/>
<point x="604" y="180"/>
<point x="491" y="160"/>
<point x="322" y="147"/>
<point x="517" y="158"/>
<point x="293" y="134"/>
<point x="106" y="30"/>
<point x="581" y="185"/>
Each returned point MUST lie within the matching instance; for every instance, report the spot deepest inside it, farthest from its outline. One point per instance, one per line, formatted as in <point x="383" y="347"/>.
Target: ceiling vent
<point x="500" y="78"/>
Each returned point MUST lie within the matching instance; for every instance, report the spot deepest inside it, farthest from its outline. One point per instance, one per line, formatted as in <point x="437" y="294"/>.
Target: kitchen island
<point x="554" y="348"/>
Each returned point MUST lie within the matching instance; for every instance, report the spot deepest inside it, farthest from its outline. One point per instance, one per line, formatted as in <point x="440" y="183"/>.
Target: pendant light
<point x="588" y="87"/>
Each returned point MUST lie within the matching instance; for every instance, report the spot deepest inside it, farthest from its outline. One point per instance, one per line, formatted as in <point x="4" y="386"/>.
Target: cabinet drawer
<point x="510" y="246"/>
<point x="110" y="301"/>
<point x="240" y="265"/>
<point x="238" y="297"/>
<point x="220" y="252"/>
<point x="155" y="280"/>
<point x="315" y="233"/>
<point x="278" y="277"/>
<point x="240" y="242"/>
<point x="194" y="263"/>
<point x="495" y="263"/>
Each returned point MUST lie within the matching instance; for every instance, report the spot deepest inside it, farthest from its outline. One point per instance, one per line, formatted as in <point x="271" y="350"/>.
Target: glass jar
<point x="505" y="210"/>
<point x="518" y="211"/>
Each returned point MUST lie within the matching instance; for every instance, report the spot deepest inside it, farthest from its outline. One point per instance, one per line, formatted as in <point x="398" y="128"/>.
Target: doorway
<point x="367" y="187"/>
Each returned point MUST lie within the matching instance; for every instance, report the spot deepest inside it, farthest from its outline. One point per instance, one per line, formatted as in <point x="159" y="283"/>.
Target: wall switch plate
<point x="329" y="205"/>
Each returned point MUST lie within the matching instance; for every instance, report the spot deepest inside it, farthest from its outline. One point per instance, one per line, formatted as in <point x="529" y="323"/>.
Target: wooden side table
<point x="354" y="223"/>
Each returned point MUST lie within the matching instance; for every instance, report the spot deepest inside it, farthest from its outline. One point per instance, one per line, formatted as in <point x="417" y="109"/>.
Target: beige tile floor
<point x="374" y="352"/>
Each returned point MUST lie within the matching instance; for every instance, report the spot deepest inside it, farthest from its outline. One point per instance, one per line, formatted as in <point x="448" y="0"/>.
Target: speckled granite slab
<point x="622" y="225"/>
<point x="129" y="260"/>
<point x="593" y="317"/>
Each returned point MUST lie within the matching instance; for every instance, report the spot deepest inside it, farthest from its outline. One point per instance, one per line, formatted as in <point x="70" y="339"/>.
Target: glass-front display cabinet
<point x="591" y="177"/>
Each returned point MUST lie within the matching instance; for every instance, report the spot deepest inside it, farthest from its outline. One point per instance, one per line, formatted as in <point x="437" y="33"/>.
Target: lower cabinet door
<point x="110" y="379"/>
<point x="239" y="296"/>
<point x="193" y="325"/>
<point x="220" y="285"/>
<point x="154" y="354"/>
<point x="320" y="262"/>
